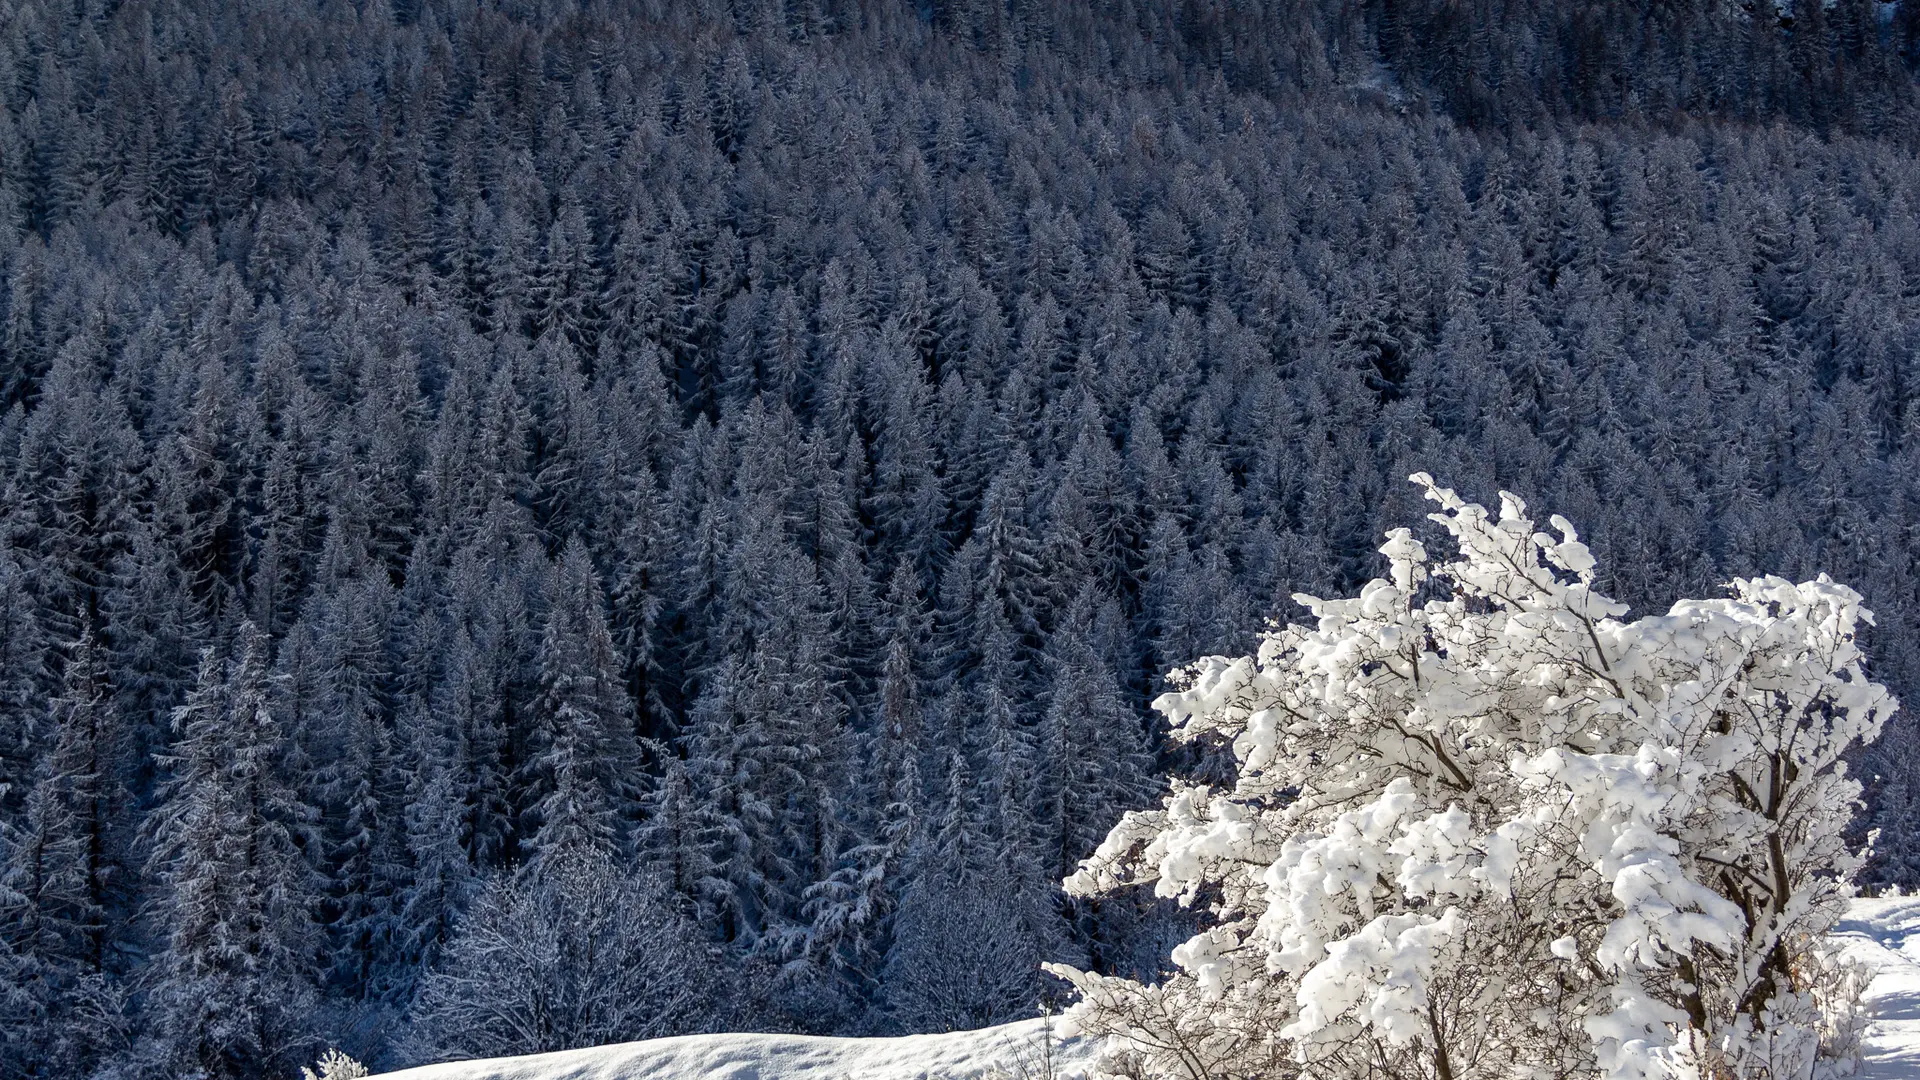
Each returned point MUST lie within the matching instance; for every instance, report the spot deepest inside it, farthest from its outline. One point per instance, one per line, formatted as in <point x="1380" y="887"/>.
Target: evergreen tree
<point x="86" y="765"/>
<point x="44" y="897"/>
<point x="23" y="681"/>
<point x="153" y="631"/>
<point x="962" y="956"/>
<point x="852" y="910"/>
<point x="580" y="783"/>
<point x="468" y="701"/>
<point x="1091" y="759"/>
<point x="442" y="877"/>
<point x="233" y="885"/>
<point x="359" y="783"/>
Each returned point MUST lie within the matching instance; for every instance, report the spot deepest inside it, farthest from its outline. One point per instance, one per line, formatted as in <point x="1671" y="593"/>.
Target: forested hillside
<point x="469" y="468"/>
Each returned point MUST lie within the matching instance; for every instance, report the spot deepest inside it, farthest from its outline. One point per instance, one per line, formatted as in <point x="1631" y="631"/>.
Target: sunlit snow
<point x="1885" y="934"/>
<point x="1011" y="1050"/>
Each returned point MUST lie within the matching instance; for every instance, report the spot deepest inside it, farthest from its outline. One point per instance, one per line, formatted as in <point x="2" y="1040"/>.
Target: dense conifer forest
<point x="472" y="466"/>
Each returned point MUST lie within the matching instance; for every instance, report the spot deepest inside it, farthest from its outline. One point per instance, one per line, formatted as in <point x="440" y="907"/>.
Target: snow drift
<point x="1013" y="1050"/>
<point x="1884" y="934"/>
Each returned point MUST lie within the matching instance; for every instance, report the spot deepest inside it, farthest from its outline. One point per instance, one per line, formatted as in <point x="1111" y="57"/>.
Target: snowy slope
<point x="1012" y="1048"/>
<point x="1885" y="934"/>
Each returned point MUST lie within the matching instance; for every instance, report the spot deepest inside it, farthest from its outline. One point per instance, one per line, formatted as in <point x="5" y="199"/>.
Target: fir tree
<point x="234" y="887"/>
<point x="582" y="778"/>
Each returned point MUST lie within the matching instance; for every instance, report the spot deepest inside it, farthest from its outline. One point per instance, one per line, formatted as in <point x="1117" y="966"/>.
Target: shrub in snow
<point x="962" y="958"/>
<point x="578" y="951"/>
<point x="1485" y="827"/>
<point x="334" y="1065"/>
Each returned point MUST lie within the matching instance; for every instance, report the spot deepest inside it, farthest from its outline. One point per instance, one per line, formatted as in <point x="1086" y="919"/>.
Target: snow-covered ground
<point x="1012" y="1049"/>
<point x="1883" y="933"/>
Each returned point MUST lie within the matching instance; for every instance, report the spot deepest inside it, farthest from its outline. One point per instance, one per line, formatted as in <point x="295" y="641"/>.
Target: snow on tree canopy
<point x="1485" y="827"/>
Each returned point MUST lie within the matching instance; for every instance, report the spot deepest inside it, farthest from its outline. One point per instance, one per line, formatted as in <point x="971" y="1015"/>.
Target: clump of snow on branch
<point x="1484" y="826"/>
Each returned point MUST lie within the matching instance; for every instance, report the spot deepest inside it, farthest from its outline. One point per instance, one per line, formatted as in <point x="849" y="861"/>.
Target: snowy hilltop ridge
<point x="1015" y="1051"/>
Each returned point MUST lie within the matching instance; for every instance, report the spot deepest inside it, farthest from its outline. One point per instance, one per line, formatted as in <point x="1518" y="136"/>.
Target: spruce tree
<point x="581" y="783"/>
<point x="234" y="889"/>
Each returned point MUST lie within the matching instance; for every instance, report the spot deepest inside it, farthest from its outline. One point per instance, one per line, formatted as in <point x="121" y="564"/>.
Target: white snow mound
<point x="1014" y="1050"/>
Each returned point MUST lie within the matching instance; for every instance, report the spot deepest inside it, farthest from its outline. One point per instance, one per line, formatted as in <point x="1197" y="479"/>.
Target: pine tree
<point x="69" y="493"/>
<point x="794" y="706"/>
<point x="671" y="841"/>
<point x="962" y="957"/>
<point x="905" y="500"/>
<point x="65" y="890"/>
<point x="639" y="593"/>
<point x="234" y="889"/>
<point x="851" y="912"/>
<point x="442" y="877"/>
<point x="23" y="680"/>
<point x="581" y="782"/>
<point x="44" y="895"/>
<point x="359" y="783"/>
<point x="1091" y="754"/>
<point x="733" y="826"/>
<point x="469" y="702"/>
<point x="87" y="764"/>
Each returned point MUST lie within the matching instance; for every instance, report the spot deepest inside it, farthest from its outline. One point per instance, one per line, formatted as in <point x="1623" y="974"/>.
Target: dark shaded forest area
<point x="471" y="467"/>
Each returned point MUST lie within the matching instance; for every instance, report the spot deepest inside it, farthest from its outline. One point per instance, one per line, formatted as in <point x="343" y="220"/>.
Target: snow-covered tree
<point x="1091" y="753"/>
<point x="852" y="910"/>
<point x="61" y="865"/>
<point x="334" y="1065"/>
<point x="578" y="951"/>
<point x="58" y="862"/>
<point x="235" y="890"/>
<point x="964" y="952"/>
<point x="359" y="783"/>
<point x="962" y="957"/>
<point x="585" y="760"/>
<point x="1483" y="827"/>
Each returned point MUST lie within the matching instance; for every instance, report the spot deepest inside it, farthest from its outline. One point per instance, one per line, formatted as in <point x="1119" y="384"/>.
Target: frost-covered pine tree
<point x="852" y="911"/>
<point x="232" y="981"/>
<point x="60" y="868"/>
<point x="57" y="860"/>
<point x="1483" y="827"/>
<point x="579" y="779"/>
